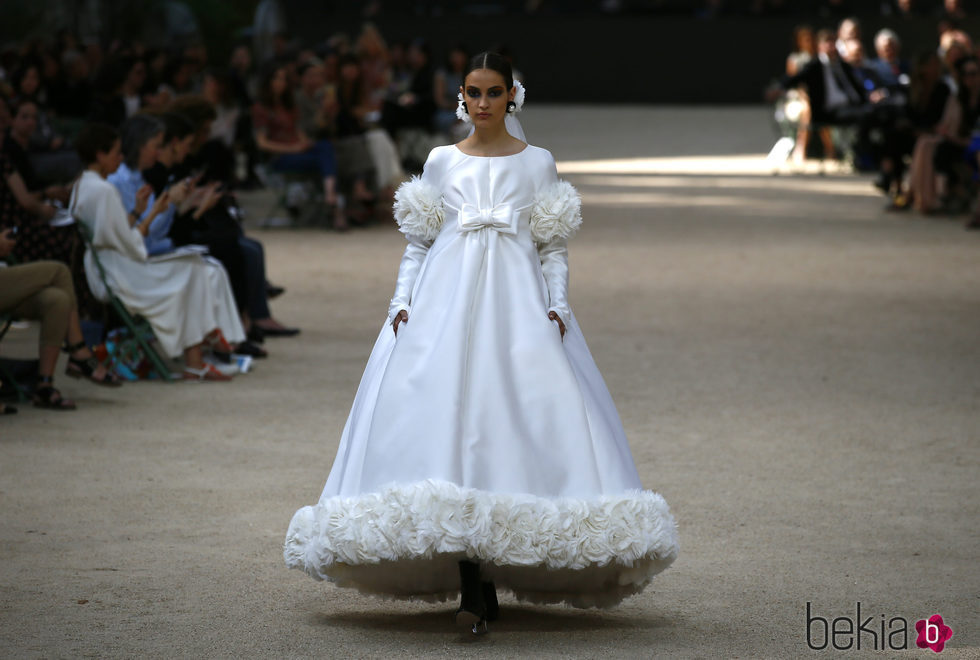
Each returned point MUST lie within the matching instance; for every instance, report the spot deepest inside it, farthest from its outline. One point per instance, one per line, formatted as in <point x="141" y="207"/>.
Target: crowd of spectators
<point x="174" y="137"/>
<point x="911" y="119"/>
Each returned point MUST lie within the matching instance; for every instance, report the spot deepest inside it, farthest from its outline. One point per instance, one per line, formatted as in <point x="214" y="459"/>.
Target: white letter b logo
<point x="930" y="637"/>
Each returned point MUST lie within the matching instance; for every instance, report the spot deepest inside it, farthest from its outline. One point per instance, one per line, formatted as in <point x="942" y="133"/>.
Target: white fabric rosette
<point x="556" y="212"/>
<point x="418" y="209"/>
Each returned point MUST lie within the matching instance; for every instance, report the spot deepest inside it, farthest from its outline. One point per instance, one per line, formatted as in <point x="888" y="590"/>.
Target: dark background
<point x="626" y="58"/>
<point x="647" y="51"/>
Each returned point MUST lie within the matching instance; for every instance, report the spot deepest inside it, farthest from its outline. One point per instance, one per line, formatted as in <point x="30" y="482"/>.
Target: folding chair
<point x="138" y="326"/>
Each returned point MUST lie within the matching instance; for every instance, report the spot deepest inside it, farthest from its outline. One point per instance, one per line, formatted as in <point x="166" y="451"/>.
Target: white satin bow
<point x="501" y="217"/>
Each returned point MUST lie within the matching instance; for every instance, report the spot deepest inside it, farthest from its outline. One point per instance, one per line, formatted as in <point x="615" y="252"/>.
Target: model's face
<point x="149" y="152"/>
<point x="486" y="96"/>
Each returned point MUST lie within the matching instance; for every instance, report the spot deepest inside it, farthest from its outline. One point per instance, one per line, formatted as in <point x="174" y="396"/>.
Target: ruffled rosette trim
<point x="419" y="209"/>
<point x="556" y="212"/>
<point x="405" y="541"/>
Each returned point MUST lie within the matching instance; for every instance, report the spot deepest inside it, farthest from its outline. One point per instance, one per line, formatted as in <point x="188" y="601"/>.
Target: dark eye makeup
<point x="493" y="92"/>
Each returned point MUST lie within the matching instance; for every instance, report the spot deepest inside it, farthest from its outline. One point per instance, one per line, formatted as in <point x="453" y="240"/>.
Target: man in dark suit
<point x="836" y="93"/>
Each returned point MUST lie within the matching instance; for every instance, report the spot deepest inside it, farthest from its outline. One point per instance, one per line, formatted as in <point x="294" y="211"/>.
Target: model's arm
<point x="555" y="216"/>
<point x="419" y="212"/>
<point x="554" y="267"/>
<point x="408" y="272"/>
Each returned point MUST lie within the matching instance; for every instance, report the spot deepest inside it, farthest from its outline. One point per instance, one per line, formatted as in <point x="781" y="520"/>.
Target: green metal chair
<point x="138" y="326"/>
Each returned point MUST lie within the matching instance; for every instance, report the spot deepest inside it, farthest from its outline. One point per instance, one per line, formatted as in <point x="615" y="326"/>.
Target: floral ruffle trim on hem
<point x="405" y="541"/>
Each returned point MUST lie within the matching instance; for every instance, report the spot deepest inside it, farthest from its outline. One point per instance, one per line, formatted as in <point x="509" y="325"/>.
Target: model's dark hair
<point x="136" y="132"/>
<point x="494" y="62"/>
<point x="93" y="139"/>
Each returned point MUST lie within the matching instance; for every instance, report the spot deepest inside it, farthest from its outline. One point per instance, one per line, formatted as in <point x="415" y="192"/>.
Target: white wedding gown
<point x="478" y="433"/>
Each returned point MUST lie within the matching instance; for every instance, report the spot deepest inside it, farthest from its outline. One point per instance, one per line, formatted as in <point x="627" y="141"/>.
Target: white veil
<point x="513" y="125"/>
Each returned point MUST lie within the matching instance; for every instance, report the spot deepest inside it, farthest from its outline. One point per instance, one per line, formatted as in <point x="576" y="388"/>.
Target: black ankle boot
<point x="490" y="601"/>
<point x="472" y="611"/>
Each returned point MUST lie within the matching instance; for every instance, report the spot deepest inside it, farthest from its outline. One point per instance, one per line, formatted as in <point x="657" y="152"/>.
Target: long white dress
<point x="184" y="297"/>
<point x="478" y="433"/>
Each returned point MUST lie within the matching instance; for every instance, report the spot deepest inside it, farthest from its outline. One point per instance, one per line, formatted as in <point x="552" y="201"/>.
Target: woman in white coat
<point x="186" y="299"/>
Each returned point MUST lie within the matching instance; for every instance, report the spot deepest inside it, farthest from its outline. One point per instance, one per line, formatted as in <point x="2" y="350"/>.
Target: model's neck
<point x="490" y="135"/>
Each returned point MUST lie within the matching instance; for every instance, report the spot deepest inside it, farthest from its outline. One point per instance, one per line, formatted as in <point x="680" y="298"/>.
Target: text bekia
<point x="843" y="632"/>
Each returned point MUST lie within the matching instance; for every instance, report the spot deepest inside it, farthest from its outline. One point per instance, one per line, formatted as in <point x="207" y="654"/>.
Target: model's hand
<point x="561" y="325"/>
<point x="401" y="317"/>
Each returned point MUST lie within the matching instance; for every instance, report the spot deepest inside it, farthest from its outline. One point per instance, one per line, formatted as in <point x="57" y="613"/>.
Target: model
<point x="483" y="449"/>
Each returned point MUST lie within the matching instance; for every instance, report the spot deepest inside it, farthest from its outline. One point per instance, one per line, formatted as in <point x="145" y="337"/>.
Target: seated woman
<point x="212" y="222"/>
<point x="941" y="152"/>
<point x="927" y="97"/>
<point x="277" y="133"/>
<point x="186" y="299"/>
<point x="49" y="153"/>
<point x="25" y="204"/>
<point x="43" y="291"/>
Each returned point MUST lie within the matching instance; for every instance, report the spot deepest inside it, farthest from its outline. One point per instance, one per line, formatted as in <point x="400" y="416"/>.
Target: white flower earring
<point x="461" y="112"/>
<point x="518" y="96"/>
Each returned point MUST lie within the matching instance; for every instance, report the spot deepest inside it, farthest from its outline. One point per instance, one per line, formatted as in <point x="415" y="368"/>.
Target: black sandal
<point x="86" y="367"/>
<point x="46" y="396"/>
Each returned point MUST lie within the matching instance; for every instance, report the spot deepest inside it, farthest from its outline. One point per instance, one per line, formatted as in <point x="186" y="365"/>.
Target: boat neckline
<point x="526" y="146"/>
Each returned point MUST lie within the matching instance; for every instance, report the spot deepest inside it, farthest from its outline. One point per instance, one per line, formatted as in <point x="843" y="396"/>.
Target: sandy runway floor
<point x="798" y="373"/>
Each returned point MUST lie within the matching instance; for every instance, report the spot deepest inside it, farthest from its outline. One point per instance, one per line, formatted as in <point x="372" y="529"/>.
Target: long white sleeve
<point x="554" y="266"/>
<point x="420" y="214"/>
<point x="555" y="216"/>
<point x="408" y="272"/>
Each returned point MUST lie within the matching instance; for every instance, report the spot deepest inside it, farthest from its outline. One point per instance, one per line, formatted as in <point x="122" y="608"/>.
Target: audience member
<point x="43" y="291"/>
<point x="448" y="81"/>
<point x="142" y="139"/>
<point x="278" y="134"/>
<point x="890" y="68"/>
<point x="927" y="97"/>
<point x="350" y="119"/>
<point x="797" y="101"/>
<point x="926" y="187"/>
<point x="186" y="299"/>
